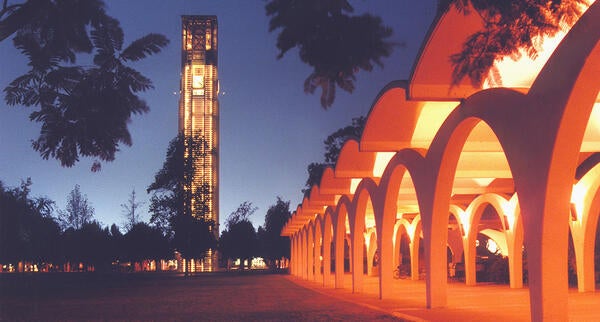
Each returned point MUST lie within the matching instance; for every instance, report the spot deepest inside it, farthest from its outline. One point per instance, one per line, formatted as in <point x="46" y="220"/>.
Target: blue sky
<point x="270" y="129"/>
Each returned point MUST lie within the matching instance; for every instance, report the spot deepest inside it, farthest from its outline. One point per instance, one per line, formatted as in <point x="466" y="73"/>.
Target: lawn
<point x="163" y="296"/>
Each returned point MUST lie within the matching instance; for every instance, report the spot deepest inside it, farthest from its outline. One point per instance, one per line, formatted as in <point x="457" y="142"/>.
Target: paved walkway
<point x="465" y="303"/>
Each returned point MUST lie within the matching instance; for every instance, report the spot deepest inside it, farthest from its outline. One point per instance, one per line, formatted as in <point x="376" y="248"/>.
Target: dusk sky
<point x="270" y="129"/>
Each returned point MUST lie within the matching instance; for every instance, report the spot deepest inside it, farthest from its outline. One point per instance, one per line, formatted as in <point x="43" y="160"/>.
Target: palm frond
<point x="64" y="78"/>
<point x="32" y="49"/>
<point x="108" y="35"/>
<point x="328" y="93"/>
<point x="346" y="82"/>
<point x="133" y="79"/>
<point x="311" y="83"/>
<point x="22" y="91"/>
<point x="145" y="46"/>
<point x="18" y="17"/>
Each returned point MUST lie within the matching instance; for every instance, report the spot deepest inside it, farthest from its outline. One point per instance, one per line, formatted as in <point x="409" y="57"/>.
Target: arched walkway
<point x="501" y="163"/>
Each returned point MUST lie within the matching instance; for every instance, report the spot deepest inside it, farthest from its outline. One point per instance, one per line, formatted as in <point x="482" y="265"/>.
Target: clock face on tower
<point x="198" y="81"/>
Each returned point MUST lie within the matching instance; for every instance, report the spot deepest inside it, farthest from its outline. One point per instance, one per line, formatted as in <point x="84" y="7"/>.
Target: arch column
<point x="385" y="233"/>
<point x="365" y="192"/>
<point x="371" y="252"/>
<point x="434" y="216"/>
<point x="586" y="201"/>
<point x="514" y="238"/>
<point x="415" y="243"/>
<point x="298" y="255"/>
<point x="358" y="242"/>
<point x="470" y="252"/>
<point x="317" y="257"/>
<point x="584" y="256"/>
<point x="339" y="228"/>
<point x="339" y="260"/>
<point x="327" y="251"/>
<point x="304" y="255"/>
<point x="292" y="264"/>
<point x="560" y="103"/>
<point x="385" y="206"/>
<point x="310" y="265"/>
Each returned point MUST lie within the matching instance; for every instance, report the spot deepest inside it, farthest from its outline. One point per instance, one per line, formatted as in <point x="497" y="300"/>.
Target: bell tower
<point x="199" y="118"/>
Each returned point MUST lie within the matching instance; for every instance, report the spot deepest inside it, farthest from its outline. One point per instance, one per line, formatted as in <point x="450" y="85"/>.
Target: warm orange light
<point x="381" y="161"/>
<point x="509" y="209"/>
<point x="465" y="221"/>
<point x="578" y="198"/>
<point x="520" y="73"/>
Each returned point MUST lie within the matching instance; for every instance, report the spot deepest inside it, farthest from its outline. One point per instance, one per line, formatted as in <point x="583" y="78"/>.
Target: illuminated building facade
<point x="199" y="116"/>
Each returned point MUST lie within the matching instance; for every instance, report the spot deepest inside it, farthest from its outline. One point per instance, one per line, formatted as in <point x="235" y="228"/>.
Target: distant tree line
<point x="34" y="235"/>
<point x="32" y="238"/>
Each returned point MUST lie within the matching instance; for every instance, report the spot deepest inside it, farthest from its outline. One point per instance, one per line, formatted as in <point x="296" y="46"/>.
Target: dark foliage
<point x="131" y="211"/>
<point x="143" y="242"/>
<point x="29" y="233"/>
<point x="335" y="141"/>
<point x="83" y="111"/>
<point x="90" y="244"/>
<point x="330" y="40"/>
<point x="169" y="198"/>
<point x="315" y="173"/>
<point x="193" y="236"/>
<point x="191" y="232"/>
<point x="239" y="240"/>
<point x="333" y="146"/>
<point x="274" y="246"/>
<point x="26" y="232"/>
<point x="78" y="211"/>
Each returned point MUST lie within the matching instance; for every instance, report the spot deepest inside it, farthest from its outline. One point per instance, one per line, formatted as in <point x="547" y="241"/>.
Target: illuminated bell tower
<point x="199" y="115"/>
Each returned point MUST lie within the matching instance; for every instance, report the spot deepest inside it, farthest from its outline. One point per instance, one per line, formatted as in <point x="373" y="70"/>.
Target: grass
<point x="169" y="297"/>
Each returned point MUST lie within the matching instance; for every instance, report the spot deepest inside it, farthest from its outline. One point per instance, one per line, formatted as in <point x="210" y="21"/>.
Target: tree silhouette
<point x="333" y="146"/>
<point x="83" y="111"/>
<point x="78" y="211"/>
<point x="335" y="44"/>
<point x="510" y="28"/>
<point x="170" y="197"/>
<point x="193" y="236"/>
<point x="335" y="141"/>
<point x="89" y="245"/>
<point x="274" y="246"/>
<point x="131" y="210"/>
<point x="192" y="233"/>
<point x="144" y="242"/>
<point x="239" y="240"/>
<point x="26" y="234"/>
